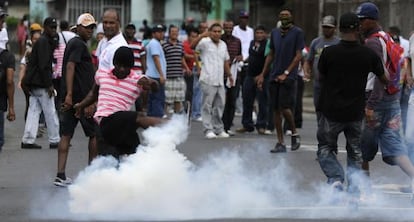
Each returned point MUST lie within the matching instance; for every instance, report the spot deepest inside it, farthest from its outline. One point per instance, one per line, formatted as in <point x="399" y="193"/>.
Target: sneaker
<point x="30" y="146"/>
<point x="337" y="189"/>
<point x="53" y="145"/>
<point x="61" y="182"/>
<point x="279" y="148"/>
<point x="295" y="139"/>
<point x="223" y="135"/>
<point x="231" y="133"/>
<point x="211" y="135"/>
<point x="268" y="132"/>
<point x="261" y="131"/>
<point x="244" y="130"/>
<point x="198" y="119"/>
<point x="288" y="132"/>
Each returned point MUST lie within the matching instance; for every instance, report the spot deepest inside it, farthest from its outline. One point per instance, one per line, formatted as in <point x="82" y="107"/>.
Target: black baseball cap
<point x="130" y="25"/>
<point x="50" y="22"/>
<point x="158" y="28"/>
<point x="349" y="21"/>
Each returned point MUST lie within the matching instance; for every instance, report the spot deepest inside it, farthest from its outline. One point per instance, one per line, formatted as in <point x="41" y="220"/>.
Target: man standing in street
<point x="316" y="47"/>
<point x="77" y="79"/>
<point x="112" y="41"/>
<point x="343" y="70"/>
<point x="234" y="49"/>
<point x="156" y="70"/>
<point x="38" y="80"/>
<point x="286" y="44"/>
<point x="176" y="69"/>
<point x="7" y="62"/>
<point x="213" y="71"/>
<point x="140" y="63"/>
<point x="246" y="35"/>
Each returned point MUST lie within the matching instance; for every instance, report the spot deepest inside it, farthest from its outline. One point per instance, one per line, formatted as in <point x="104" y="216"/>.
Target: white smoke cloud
<point x="160" y="183"/>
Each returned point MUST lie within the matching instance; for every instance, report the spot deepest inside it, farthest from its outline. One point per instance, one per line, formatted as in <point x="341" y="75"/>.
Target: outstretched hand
<point x="148" y="84"/>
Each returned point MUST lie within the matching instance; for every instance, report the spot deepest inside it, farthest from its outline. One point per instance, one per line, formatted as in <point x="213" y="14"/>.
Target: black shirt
<point x="39" y="68"/>
<point x="256" y="57"/>
<point x="343" y="76"/>
<point x="77" y="52"/>
<point x="7" y="61"/>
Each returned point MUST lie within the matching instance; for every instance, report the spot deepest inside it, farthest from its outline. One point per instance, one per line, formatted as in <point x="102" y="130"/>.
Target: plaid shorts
<point x="175" y="90"/>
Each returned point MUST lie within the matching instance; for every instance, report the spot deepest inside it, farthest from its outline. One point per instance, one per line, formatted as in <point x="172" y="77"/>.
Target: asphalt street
<point x="27" y="192"/>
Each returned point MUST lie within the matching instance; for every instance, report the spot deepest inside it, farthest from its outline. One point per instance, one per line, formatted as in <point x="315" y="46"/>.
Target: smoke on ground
<point x="160" y="183"/>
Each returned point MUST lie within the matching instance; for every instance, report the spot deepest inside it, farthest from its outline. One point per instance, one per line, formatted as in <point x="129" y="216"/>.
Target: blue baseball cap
<point x="367" y="10"/>
<point x="243" y="14"/>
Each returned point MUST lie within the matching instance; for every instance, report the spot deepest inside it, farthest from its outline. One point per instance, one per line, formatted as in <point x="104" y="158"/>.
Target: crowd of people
<point x="126" y="83"/>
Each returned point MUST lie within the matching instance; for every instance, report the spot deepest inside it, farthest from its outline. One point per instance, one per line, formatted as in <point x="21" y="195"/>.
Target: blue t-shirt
<point x="284" y="48"/>
<point x="154" y="48"/>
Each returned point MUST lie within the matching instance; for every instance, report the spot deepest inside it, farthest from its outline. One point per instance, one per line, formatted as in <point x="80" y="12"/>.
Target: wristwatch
<point x="286" y="72"/>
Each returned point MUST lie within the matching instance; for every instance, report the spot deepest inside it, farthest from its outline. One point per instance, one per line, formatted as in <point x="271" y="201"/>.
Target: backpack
<point x="394" y="60"/>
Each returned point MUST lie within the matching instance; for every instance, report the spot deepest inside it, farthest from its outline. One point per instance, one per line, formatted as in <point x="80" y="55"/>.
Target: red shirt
<point x="188" y="50"/>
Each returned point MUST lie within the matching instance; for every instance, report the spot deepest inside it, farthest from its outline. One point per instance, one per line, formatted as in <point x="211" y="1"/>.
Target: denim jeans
<point x="1" y="129"/>
<point x="409" y="131"/>
<point x="197" y="97"/>
<point x="40" y="101"/>
<point x="156" y="101"/>
<point x="328" y="132"/>
<point x="383" y="132"/>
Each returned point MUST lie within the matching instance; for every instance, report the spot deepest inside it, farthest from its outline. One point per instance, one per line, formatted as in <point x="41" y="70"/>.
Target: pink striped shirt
<point x="115" y="94"/>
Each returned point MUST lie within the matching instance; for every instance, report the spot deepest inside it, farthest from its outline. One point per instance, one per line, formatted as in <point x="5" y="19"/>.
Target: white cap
<point x="86" y="19"/>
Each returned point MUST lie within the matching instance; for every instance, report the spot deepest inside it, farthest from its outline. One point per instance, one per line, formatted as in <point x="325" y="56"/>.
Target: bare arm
<point x="21" y="75"/>
<point x="11" y="116"/>
<point x="159" y="69"/>
<point x="91" y="98"/>
<point x="199" y="37"/>
<point x="70" y="75"/>
<point x="260" y="78"/>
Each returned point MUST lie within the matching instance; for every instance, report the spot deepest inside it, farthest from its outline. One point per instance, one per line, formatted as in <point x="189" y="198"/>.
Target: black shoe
<point x="30" y="146"/>
<point x="53" y="145"/>
<point x="279" y="148"/>
<point x="295" y="142"/>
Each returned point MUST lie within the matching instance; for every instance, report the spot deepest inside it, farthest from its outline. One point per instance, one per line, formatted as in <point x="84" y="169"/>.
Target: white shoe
<point x="223" y="135"/>
<point x="198" y="119"/>
<point x="231" y="133"/>
<point x="211" y="135"/>
<point x="288" y="133"/>
<point x="254" y="116"/>
<point x="268" y="132"/>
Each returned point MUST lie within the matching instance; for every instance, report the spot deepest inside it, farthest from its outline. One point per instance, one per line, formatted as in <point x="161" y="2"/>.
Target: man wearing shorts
<point x="116" y="91"/>
<point x="77" y="80"/>
<point x="286" y="44"/>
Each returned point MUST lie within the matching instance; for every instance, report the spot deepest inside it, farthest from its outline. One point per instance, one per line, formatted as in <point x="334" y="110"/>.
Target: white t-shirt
<point x="245" y="36"/>
<point x="106" y="50"/>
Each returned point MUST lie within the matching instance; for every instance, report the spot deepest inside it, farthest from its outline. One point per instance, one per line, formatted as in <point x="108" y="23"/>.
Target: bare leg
<point x="405" y="164"/>
<point x="93" y="149"/>
<point x="288" y="115"/>
<point x="63" y="150"/>
<point x="147" y="121"/>
<point x="278" y="125"/>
